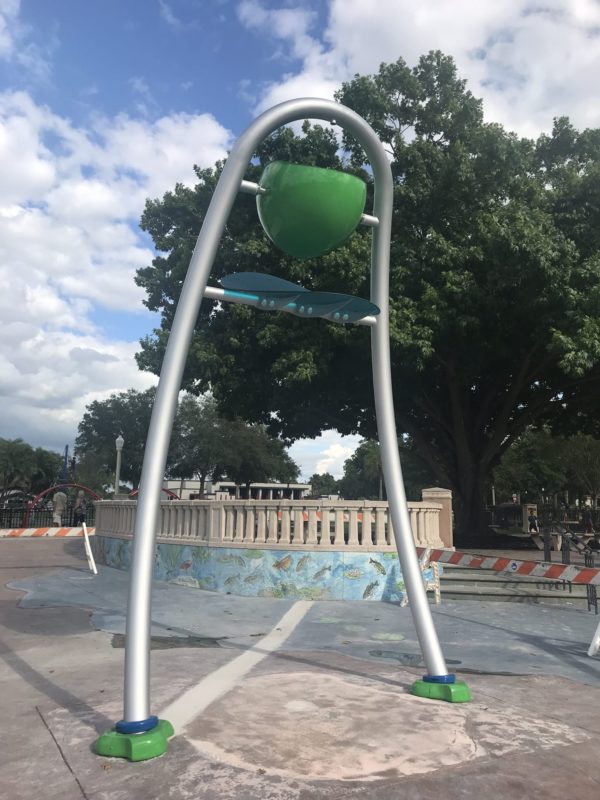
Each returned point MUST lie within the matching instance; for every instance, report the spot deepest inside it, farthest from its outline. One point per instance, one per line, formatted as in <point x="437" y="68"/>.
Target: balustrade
<point x="292" y="524"/>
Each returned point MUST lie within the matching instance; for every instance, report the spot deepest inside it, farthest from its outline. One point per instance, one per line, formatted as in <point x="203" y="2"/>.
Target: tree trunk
<point x="470" y="524"/>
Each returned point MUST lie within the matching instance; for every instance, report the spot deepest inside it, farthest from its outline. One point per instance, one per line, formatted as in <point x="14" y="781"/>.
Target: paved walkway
<point x="288" y="700"/>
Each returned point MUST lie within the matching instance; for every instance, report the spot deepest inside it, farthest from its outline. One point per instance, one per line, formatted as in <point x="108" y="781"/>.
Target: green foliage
<point x="583" y="465"/>
<point x="323" y="484"/>
<point x="26" y="469"/>
<point x="535" y="462"/>
<point x="362" y="477"/>
<point x="200" y="440"/>
<point x="203" y="443"/>
<point x="495" y="285"/>
<point x="127" y="413"/>
<point x="541" y="464"/>
<point x="252" y="456"/>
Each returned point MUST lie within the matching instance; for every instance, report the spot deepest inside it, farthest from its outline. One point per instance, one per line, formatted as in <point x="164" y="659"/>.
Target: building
<point x="189" y="489"/>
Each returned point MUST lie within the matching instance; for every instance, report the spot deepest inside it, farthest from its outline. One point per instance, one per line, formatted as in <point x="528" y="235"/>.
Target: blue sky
<point x="104" y="103"/>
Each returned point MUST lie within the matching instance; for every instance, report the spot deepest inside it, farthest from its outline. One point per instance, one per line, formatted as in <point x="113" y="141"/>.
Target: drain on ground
<point x="170" y="642"/>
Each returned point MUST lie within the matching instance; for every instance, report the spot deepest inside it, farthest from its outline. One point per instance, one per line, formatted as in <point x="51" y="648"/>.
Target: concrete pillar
<point x="443" y="496"/>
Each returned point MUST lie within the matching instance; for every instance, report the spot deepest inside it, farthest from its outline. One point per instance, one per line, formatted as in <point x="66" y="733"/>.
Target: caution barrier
<point x="18" y="533"/>
<point x="537" y="569"/>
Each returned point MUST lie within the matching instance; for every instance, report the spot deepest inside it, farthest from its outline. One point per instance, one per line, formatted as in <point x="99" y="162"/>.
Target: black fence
<point x="41" y="516"/>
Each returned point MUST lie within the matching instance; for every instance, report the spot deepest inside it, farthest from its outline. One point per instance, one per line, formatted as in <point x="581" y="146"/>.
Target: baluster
<point x="338" y="534"/>
<point x="353" y="527"/>
<point x="325" y="539"/>
<point x="389" y="529"/>
<point x="311" y="537"/>
<point x="261" y="524"/>
<point x="272" y="526"/>
<point x="421" y="536"/>
<point x="380" y="537"/>
<point x="239" y="523"/>
<point x="249" y="527"/>
<point x="286" y="525"/>
<point x="298" y="526"/>
<point x="229" y="523"/>
<point x="367" y="535"/>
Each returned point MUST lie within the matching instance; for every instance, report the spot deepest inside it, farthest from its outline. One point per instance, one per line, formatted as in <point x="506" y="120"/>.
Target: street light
<point x="119" y="442"/>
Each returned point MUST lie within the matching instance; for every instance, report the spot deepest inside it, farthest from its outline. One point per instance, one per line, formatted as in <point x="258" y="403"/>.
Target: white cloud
<point x="17" y="46"/>
<point x="326" y="453"/>
<point x="70" y="201"/>
<point x="529" y="61"/>
<point x="9" y="11"/>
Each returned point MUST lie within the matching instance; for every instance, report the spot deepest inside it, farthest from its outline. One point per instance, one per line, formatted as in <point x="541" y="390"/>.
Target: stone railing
<point x="291" y="524"/>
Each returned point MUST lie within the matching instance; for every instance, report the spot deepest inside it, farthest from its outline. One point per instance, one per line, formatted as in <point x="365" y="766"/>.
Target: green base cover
<point x="136" y="746"/>
<point x="457" y="692"/>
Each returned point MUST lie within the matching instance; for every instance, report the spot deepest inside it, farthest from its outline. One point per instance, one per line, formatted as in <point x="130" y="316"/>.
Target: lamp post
<point x="119" y="442"/>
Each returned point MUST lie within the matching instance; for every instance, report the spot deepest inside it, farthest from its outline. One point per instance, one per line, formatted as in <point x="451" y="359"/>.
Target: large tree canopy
<point x="495" y="288"/>
<point x="203" y="443"/>
<point x="25" y="469"/>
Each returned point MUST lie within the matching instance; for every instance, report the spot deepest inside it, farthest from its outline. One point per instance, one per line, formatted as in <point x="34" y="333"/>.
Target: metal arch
<point x="32" y="503"/>
<point x="137" y="651"/>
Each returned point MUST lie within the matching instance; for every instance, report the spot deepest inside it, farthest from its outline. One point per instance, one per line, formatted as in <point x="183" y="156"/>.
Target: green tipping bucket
<point x="308" y="211"/>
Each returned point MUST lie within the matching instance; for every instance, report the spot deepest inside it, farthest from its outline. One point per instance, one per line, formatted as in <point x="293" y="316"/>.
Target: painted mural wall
<point x="268" y="573"/>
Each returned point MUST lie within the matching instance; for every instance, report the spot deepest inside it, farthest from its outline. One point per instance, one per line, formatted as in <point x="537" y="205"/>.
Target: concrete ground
<point x="286" y="700"/>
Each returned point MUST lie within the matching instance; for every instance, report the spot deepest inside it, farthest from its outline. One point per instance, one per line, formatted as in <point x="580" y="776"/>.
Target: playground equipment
<point x="57" y="487"/>
<point x="287" y="196"/>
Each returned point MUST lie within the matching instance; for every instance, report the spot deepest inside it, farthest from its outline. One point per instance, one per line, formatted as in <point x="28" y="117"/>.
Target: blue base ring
<point x="439" y="678"/>
<point x="140" y="726"/>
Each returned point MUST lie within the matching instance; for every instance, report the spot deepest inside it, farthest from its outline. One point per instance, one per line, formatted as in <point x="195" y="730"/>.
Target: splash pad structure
<point x="306" y="212"/>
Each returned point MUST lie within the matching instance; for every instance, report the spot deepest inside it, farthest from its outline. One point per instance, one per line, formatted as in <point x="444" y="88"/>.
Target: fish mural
<point x="231" y="559"/>
<point x="368" y="592"/>
<point x="321" y="573"/>
<point x="314" y="575"/>
<point x="378" y="567"/>
<point x="254" y="553"/>
<point x="302" y="563"/>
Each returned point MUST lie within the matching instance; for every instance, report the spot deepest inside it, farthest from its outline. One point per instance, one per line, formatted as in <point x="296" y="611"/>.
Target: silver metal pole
<point x="384" y="410"/>
<point x="137" y="649"/>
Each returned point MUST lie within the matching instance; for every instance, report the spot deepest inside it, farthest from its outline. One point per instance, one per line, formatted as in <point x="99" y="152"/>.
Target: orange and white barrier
<point x="18" y="533"/>
<point x="537" y="569"/>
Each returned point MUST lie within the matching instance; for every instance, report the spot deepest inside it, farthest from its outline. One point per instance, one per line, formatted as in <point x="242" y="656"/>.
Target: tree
<point x="534" y="466"/>
<point x="127" y="413"/>
<point x="47" y="469"/>
<point x="200" y="440"/>
<point x="17" y="464"/>
<point x="583" y="465"/>
<point x="495" y="286"/>
<point x="323" y="484"/>
<point x="362" y="478"/>
<point x="253" y="456"/>
<point x="26" y="469"/>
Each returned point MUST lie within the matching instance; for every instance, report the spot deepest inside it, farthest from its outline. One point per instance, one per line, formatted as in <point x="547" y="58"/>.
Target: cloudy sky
<point x="104" y="103"/>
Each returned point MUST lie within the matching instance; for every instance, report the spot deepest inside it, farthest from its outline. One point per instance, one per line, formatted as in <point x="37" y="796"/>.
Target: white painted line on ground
<point x="193" y="702"/>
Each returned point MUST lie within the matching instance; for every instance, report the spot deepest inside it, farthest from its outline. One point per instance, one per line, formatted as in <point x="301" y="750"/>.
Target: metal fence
<point x="41" y="516"/>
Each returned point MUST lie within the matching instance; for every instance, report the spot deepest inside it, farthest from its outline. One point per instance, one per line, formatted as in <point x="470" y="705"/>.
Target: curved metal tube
<point x="137" y="649"/>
